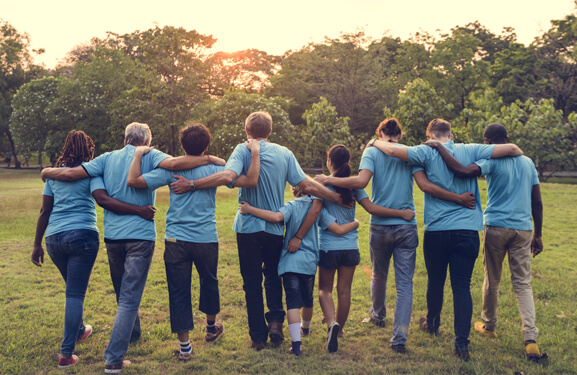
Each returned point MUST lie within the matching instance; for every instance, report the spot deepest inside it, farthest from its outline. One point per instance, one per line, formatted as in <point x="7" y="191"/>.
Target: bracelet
<point x="298" y="237"/>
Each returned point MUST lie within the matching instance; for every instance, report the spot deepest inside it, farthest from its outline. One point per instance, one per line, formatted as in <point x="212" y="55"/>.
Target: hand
<point x="321" y="179"/>
<point x="147" y="212"/>
<point x="433" y="144"/>
<point x="293" y="245"/>
<point x="143" y="150"/>
<point x="181" y="186"/>
<point x="38" y="255"/>
<point x="244" y="207"/>
<point x="43" y="174"/>
<point x="467" y="200"/>
<point x="536" y="246"/>
<point x="216" y="161"/>
<point x="252" y="145"/>
<point x="408" y="215"/>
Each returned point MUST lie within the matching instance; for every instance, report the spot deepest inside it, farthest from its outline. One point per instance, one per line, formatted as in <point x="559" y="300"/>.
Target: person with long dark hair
<point x="68" y="218"/>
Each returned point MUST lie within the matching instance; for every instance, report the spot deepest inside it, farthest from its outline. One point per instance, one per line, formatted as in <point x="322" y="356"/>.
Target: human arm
<point x="311" y="187"/>
<point x="537" y="213"/>
<point x="119" y="207"/>
<point x="306" y="225"/>
<point x="41" y="225"/>
<point x="465" y="199"/>
<point x="507" y="149"/>
<point x="251" y="177"/>
<point x="359" y="182"/>
<point x="377" y="210"/>
<point x="471" y="170"/>
<point x="391" y="149"/>
<point x="341" y="229"/>
<point x="135" y="178"/>
<point x="180" y="163"/>
<point x="64" y="174"/>
<point x="270" y="216"/>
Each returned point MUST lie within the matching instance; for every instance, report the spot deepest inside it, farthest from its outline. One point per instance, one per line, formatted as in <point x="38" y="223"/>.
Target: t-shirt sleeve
<point x="360" y="194"/>
<point x="295" y="173"/>
<point x="286" y="211"/>
<point x="96" y="183"/>
<point x="482" y="151"/>
<point x="534" y="174"/>
<point x="486" y="166"/>
<point x="368" y="160"/>
<point x="157" y="157"/>
<point x="157" y="178"/>
<point x="95" y="167"/>
<point x="47" y="189"/>
<point x="418" y="155"/>
<point x="326" y="219"/>
<point x="235" y="162"/>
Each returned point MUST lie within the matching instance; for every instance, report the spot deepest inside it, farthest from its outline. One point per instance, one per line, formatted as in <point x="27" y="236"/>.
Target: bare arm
<point x="251" y="177"/>
<point x="341" y="229"/>
<point x="41" y="225"/>
<point x="507" y="149"/>
<point x="471" y="170"/>
<point x="392" y="149"/>
<point x="466" y="199"/>
<point x="135" y="178"/>
<point x="377" y="210"/>
<point x="63" y="174"/>
<point x="119" y="207"/>
<point x="359" y="182"/>
<point x="306" y="225"/>
<point x="537" y="213"/>
<point x="314" y="188"/>
<point x="180" y="163"/>
<point x="270" y="216"/>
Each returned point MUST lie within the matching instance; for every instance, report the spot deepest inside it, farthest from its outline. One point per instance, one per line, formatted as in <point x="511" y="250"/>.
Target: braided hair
<point x="78" y="148"/>
<point x="340" y="156"/>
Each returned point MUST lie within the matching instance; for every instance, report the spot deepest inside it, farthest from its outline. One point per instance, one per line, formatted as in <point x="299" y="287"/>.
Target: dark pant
<point x="457" y="249"/>
<point x="178" y="260"/>
<point x="258" y="255"/>
<point x="74" y="253"/>
<point x="298" y="289"/>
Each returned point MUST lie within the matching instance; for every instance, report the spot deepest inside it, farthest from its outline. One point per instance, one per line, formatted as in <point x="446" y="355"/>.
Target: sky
<point x="59" y="25"/>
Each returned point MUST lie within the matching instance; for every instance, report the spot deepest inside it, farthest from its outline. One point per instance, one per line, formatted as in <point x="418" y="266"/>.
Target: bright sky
<point x="59" y="25"/>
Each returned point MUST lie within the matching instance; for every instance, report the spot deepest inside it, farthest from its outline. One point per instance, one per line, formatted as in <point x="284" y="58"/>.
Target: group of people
<point x="285" y="243"/>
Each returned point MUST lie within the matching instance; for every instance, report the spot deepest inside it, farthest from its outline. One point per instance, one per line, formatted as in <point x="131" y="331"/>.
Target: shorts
<point x="298" y="289"/>
<point x="333" y="259"/>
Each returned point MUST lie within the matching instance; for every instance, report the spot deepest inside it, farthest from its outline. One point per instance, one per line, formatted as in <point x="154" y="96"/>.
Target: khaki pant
<point x="498" y="242"/>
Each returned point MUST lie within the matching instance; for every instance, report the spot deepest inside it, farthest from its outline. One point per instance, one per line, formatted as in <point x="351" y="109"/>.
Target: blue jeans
<point x="400" y="242"/>
<point x="129" y="263"/>
<point x="178" y="260"/>
<point x="457" y="250"/>
<point x="73" y="253"/>
<point x="298" y="289"/>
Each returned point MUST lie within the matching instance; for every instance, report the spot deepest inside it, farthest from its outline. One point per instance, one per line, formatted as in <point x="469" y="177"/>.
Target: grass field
<point x="32" y="306"/>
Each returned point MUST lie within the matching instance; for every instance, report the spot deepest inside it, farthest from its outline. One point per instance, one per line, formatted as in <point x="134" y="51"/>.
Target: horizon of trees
<point x="336" y="91"/>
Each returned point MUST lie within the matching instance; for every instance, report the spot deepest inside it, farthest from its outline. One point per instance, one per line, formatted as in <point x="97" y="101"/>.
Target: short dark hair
<point x="496" y="133"/>
<point x="439" y="128"/>
<point x="390" y="127"/>
<point x="259" y="124"/>
<point x="194" y="138"/>
<point x="298" y="192"/>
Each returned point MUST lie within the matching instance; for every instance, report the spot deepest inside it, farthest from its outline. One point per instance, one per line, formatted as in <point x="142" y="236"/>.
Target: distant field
<point x="32" y="306"/>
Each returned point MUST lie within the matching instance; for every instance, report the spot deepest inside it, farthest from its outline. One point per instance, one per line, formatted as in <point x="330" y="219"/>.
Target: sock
<point x="185" y="347"/>
<point x="295" y="331"/>
<point x="210" y="327"/>
<point x="306" y="324"/>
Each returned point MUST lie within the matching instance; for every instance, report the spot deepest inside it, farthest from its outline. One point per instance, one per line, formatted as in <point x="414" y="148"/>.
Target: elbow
<point x="131" y="183"/>
<point x="307" y="186"/>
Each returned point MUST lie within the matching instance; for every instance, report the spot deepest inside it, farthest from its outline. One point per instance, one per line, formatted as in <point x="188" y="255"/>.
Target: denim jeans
<point x="457" y="250"/>
<point x="178" y="260"/>
<point x="400" y="242"/>
<point x="298" y="289"/>
<point x="73" y="253"/>
<point x="129" y="263"/>
<point x="259" y="254"/>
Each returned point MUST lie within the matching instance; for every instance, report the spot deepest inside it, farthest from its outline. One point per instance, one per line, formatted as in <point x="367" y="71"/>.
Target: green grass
<point x="32" y="306"/>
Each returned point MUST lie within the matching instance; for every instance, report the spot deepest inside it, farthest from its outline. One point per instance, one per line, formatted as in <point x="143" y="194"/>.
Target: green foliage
<point x="484" y="109"/>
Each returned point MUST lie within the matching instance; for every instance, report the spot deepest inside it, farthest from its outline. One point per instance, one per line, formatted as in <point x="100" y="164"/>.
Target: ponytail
<point x="340" y="157"/>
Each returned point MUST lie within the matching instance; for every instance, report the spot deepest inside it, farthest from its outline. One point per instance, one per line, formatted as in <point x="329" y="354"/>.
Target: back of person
<point x="392" y="185"/>
<point x="113" y="167"/>
<point x="440" y="214"/>
<point x="277" y="167"/>
<point x="510" y="183"/>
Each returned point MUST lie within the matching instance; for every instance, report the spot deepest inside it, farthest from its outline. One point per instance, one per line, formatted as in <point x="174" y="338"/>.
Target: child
<point x="298" y="266"/>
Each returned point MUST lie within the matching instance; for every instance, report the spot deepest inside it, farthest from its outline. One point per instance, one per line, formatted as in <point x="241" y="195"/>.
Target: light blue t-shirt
<point x="445" y="215"/>
<point x="342" y="215"/>
<point x="74" y="206"/>
<point x="190" y="216"/>
<point x="113" y="167"/>
<point x="306" y="258"/>
<point x="510" y="183"/>
<point x="277" y="167"/>
<point x="392" y="184"/>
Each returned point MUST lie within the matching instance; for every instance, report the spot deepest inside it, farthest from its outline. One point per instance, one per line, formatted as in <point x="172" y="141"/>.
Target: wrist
<point x="192" y="186"/>
<point x="298" y="238"/>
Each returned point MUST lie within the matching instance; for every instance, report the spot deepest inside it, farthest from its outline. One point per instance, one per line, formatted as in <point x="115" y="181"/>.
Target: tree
<point x="324" y="129"/>
<point x="484" y="109"/>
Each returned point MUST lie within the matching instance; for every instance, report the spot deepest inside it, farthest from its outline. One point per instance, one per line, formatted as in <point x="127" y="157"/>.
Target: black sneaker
<point x="296" y="348"/>
<point x="463" y="354"/>
<point x="399" y="348"/>
<point x="332" y="337"/>
<point x="305" y="331"/>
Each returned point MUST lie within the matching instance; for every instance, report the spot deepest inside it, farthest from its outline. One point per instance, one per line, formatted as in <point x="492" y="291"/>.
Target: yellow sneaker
<point x="480" y="327"/>
<point x="533" y="352"/>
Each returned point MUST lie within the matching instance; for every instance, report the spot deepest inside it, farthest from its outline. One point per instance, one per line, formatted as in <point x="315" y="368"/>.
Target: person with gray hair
<point x="129" y="238"/>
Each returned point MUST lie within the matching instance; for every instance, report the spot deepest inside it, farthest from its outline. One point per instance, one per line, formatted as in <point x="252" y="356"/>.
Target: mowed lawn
<point x="32" y="306"/>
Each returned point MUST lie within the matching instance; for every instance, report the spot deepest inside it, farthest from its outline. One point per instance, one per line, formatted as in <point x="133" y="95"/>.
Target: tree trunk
<point x="16" y="161"/>
<point x="40" y="158"/>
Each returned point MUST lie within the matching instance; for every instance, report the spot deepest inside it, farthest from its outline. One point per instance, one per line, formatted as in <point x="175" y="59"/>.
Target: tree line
<point x="332" y="92"/>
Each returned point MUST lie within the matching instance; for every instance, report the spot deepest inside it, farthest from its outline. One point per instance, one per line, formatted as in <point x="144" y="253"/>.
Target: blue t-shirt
<point x="510" y="183"/>
<point x="74" y="206"/>
<point x="306" y="258"/>
<point x="113" y="167"/>
<point x="342" y="215"/>
<point x="277" y="167"/>
<point x="392" y="184"/>
<point x="190" y="216"/>
<point x="445" y="215"/>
